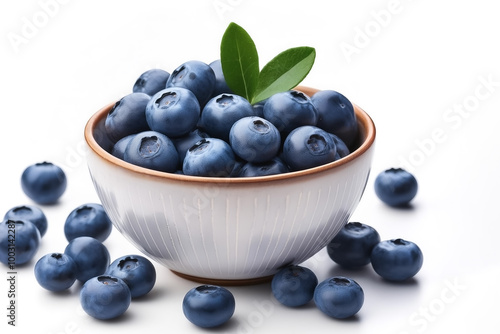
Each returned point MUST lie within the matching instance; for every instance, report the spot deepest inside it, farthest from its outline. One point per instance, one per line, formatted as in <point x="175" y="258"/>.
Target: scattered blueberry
<point x="55" y="272"/>
<point x="88" y="220"/>
<point x="105" y="297"/>
<point x="44" y="182"/>
<point x="29" y="212"/>
<point x="272" y="167"/>
<point x="255" y="139"/>
<point x="209" y="157"/>
<point x="173" y="111"/>
<point x="336" y="115"/>
<point x="308" y="146"/>
<point x="352" y="246"/>
<point x="294" y="285"/>
<point x="396" y="259"/>
<point x="153" y="150"/>
<point x="196" y="76"/>
<point x="290" y="110"/>
<point x="339" y="297"/>
<point x="208" y="305"/>
<point x="135" y="270"/>
<point x="396" y="187"/>
<point x="90" y="255"/>
<point x="221" y="112"/>
<point x="19" y="242"/>
<point x="151" y="81"/>
<point x="128" y="116"/>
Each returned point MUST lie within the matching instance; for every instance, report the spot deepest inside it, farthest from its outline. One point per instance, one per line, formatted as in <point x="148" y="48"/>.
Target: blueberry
<point x="342" y="149"/>
<point x="255" y="139"/>
<point x="336" y="115"/>
<point x="196" y="76"/>
<point x="105" y="297"/>
<point x="153" y="150"/>
<point x="184" y="143"/>
<point x="294" y="285"/>
<point x="272" y="167"/>
<point x="352" y="246"/>
<point x="29" y="212"/>
<point x="339" y="297"/>
<point x="221" y="112"/>
<point x="120" y="146"/>
<point x="88" y="220"/>
<point x="44" y="182"/>
<point x="396" y="187"/>
<point x="289" y="110"/>
<point x="220" y="82"/>
<point x="209" y="157"/>
<point x="308" y="146"/>
<point x="55" y="272"/>
<point x="90" y="255"/>
<point x="127" y="116"/>
<point x="19" y="241"/>
<point x="396" y="259"/>
<point x="135" y="270"/>
<point x="173" y="111"/>
<point x="151" y="81"/>
<point x="208" y="305"/>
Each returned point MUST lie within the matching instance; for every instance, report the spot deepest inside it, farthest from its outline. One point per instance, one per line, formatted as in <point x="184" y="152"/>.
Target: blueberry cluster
<point x="355" y="246"/>
<point x="190" y="122"/>
<point x="108" y="288"/>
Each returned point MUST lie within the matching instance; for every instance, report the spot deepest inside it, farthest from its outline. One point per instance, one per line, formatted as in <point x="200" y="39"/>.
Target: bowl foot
<point x="225" y="282"/>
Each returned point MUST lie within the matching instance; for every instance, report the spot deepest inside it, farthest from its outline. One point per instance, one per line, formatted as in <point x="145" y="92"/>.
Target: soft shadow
<point x="154" y="294"/>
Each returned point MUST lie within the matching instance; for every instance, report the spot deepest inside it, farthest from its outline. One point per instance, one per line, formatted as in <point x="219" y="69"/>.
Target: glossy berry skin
<point x="151" y="81"/>
<point x="272" y="167"/>
<point x="88" y="220"/>
<point x="342" y="149"/>
<point x="127" y="116"/>
<point x="44" y="182"/>
<point x="396" y="187"/>
<point x="220" y="82"/>
<point x="255" y="139"/>
<point x="211" y="157"/>
<point x="290" y="110"/>
<point x="153" y="150"/>
<point x="19" y="242"/>
<point x="208" y="305"/>
<point x="352" y="246"/>
<point x="196" y="76"/>
<point x="184" y="143"/>
<point x="90" y="255"/>
<point x="105" y="297"/>
<point x="135" y="270"/>
<point x="29" y="212"/>
<point x="173" y="111"/>
<point x="120" y="146"/>
<point x="294" y="285"/>
<point x="307" y="147"/>
<point x="336" y="115"/>
<point x="396" y="259"/>
<point x="221" y="112"/>
<point x="55" y="272"/>
<point x="339" y="297"/>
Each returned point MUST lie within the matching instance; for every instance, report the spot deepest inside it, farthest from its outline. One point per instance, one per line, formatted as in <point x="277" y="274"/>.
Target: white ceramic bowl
<point x="229" y="230"/>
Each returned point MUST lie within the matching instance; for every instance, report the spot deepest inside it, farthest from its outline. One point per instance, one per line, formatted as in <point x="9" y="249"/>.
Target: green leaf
<point x="240" y="61"/>
<point x="284" y="72"/>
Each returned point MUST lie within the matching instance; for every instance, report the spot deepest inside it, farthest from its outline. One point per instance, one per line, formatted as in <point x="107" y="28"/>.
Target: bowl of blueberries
<point x="222" y="191"/>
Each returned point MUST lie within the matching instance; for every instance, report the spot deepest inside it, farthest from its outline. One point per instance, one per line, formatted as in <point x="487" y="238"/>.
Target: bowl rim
<point x="364" y="121"/>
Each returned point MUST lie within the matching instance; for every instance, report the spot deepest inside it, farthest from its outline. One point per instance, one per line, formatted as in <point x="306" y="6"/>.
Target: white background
<point x="426" y="71"/>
